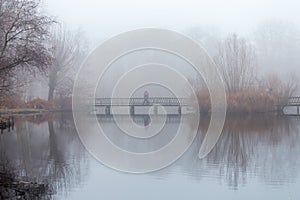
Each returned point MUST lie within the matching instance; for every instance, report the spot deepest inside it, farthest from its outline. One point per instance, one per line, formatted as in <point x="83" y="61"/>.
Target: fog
<point x="103" y="19"/>
<point x="272" y="27"/>
<point x="243" y="80"/>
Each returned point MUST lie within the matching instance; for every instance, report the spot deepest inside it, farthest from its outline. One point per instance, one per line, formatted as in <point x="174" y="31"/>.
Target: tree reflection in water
<point x="45" y="151"/>
<point x="266" y="147"/>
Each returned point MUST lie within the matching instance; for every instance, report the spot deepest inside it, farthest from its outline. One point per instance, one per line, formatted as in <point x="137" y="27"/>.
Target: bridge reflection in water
<point x="144" y="120"/>
<point x="252" y="152"/>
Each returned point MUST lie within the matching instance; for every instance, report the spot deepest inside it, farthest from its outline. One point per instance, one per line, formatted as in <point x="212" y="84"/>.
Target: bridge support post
<point x="297" y="110"/>
<point x="107" y="110"/>
<point x="179" y="110"/>
<point x="155" y="110"/>
<point x="132" y="110"/>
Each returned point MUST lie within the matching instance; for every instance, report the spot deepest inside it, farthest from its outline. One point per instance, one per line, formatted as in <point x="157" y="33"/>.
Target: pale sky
<point x="102" y="19"/>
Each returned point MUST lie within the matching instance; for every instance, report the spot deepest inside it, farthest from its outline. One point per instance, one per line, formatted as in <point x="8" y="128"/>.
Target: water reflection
<point x="260" y="149"/>
<point x="264" y="147"/>
<point x="45" y="149"/>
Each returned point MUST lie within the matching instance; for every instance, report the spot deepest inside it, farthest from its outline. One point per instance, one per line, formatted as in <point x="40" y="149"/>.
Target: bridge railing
<point x="164" y="101"/>
<point x="290" y="101"/>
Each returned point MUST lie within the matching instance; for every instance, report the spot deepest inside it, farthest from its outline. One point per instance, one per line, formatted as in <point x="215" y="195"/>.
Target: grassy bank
<point x="12" y="105"/>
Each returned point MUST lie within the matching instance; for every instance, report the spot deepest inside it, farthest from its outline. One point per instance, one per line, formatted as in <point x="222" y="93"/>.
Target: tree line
<point x="258" y="71"/>
<point x="35" y="46"/>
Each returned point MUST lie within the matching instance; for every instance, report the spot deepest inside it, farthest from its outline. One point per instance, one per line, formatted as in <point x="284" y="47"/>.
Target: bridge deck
<point x="163" y="101"/>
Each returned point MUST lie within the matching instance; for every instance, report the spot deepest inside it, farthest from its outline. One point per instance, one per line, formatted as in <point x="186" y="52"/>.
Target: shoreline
<point x="31" y="111"/>
<point x="21" y="111"/>
<point x="27" y="111"/>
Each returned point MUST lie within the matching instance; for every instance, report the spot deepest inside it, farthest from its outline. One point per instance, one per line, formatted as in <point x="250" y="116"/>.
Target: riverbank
<point x="22" y="111"/>
<point x="12" y="187"/>
<point x="14" y="106"/>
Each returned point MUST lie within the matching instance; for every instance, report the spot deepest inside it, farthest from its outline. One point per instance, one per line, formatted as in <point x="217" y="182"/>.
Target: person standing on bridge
<point x="146" y="97"/>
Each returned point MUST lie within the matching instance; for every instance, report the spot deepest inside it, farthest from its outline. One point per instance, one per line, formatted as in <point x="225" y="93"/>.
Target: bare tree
<point x="23" y="32"/>
<point x="236" y="61"/>
<point x="67" y="49"/>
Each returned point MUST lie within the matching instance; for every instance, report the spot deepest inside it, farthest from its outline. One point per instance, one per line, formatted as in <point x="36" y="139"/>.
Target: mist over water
<point x="252" y="154"/>
<point x="165" y="75"/>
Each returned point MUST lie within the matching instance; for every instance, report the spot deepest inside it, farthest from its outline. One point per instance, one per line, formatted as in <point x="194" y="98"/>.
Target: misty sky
<point x="102" y="19"/>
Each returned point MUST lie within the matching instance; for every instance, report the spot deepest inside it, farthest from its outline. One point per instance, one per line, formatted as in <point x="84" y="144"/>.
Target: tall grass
<point x="260" y="98"/>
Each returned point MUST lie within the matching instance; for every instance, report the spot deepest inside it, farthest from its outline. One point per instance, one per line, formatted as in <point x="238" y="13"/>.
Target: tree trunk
<point x="51" y="93"/>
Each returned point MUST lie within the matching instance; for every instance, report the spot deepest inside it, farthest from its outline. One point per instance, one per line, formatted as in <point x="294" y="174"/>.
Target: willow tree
<point x="237" y="63"/>
<point x="67" y="50"/>
<point x="23" y="32"/>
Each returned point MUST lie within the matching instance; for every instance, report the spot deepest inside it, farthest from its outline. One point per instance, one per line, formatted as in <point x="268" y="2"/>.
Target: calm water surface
<point x="255" y="158"/>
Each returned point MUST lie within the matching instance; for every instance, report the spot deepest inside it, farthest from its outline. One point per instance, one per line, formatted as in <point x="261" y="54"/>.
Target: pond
<point x="254" y="158"/>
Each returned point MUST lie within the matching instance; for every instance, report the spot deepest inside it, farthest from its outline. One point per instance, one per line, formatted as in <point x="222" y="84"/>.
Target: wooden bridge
<point x="140" y="106"/>
<point x="172" y="106"/>
<point x="290" y="102"/>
